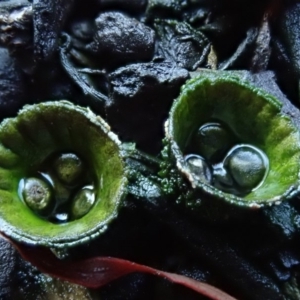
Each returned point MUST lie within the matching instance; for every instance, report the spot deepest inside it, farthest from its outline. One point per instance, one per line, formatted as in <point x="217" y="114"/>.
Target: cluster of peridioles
<point x="62" y="190"/>
<point x="222" y="162"/>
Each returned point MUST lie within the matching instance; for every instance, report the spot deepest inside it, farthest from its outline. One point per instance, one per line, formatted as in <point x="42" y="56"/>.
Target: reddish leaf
<point x="98" y="271"/>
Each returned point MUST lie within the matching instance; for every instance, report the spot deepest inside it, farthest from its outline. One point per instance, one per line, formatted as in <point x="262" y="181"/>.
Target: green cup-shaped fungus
<point x="261" y="161"/>
<point x="26" y="143"/>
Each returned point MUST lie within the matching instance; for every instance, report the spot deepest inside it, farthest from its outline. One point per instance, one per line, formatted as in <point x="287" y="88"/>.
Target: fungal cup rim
<point x="212" y="81"/>
<point x="77" y="231"/>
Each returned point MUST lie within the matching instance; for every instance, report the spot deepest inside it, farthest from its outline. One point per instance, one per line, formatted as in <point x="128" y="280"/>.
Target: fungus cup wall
<point x="254" y="117"/>
<point x="28" y="140"/>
